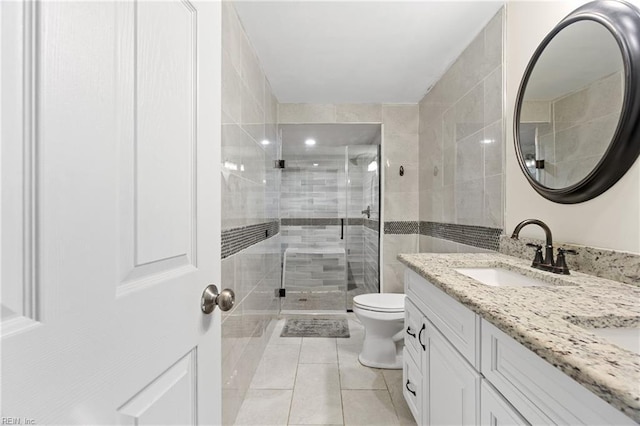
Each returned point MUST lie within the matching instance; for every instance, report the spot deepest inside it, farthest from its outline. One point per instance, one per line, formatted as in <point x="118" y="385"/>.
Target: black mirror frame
<point x="623" y="21"/>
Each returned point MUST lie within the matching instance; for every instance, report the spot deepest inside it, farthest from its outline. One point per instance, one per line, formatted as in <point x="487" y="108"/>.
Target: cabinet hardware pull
<point x="424" y="348"/>
<point x="409" y="389"/>
<point x="410" y="333"/>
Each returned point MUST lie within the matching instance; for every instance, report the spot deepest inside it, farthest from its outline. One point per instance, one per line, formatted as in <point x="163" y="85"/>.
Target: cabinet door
<point x="412" y="385"/>
<point x="495" y="410"/>
<point x="453" y="386"/>
<point x="413" y="320"/>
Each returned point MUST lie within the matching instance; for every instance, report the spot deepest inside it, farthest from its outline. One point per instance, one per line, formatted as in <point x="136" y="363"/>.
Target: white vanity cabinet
<point x="454" y="385"/>
<point x="495" y="410"/>
<point x="441" y="385"/>
<point x="434" y="364"/>
<point x="460" y="369"/>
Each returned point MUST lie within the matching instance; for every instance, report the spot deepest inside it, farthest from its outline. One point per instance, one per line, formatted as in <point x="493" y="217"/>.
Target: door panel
<point x="158" y="117"/>
<point x="18" y="291"/>
<point x="118" y="98"/>
<point x="171" y="399"/>
<point x="164" y="130"/>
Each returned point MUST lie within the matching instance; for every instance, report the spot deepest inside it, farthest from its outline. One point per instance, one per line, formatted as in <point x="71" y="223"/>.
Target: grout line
<point x="393" y="404"/>
<point x="340" y="379"/>
<point x="295" y="379"/>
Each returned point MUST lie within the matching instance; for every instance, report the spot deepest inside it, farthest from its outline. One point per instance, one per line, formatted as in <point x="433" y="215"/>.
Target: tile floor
<point x="319" y="381"/>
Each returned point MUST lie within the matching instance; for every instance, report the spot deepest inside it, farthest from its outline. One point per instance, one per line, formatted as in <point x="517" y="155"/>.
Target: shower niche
<point x="330" y="215"/>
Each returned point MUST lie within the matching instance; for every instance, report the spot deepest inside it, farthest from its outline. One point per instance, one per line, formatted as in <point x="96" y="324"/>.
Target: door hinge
<point x="278" y="164"/>
<point x="281" y="292"/>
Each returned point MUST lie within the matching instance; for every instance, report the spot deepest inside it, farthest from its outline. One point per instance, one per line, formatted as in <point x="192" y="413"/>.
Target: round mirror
<point x="576" y="122"/>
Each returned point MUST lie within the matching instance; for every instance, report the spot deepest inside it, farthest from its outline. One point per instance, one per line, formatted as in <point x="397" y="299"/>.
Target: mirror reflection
<point x="571" y="105"/>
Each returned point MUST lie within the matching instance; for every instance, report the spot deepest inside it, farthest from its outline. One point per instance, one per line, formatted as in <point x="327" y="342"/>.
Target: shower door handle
<point x="341" y="228"/>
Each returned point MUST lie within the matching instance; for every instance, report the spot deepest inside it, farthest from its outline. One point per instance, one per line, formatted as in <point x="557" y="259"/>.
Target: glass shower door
<point x="363" y="218"/>
<point x="314" y="232"/>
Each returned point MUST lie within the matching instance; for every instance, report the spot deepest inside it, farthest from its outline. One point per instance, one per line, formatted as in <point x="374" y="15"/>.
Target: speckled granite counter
<point x="539" y="318"/>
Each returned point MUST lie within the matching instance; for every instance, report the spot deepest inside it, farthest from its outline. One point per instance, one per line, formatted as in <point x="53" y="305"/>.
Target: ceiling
<point x="359" y="51"/>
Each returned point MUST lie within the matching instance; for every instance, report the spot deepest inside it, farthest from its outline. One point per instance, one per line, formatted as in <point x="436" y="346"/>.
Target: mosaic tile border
<point x="401" y="227"/>
<point x="238" y="239"/>
<point x="471" y="235"/>
<point x="322" y="221"/>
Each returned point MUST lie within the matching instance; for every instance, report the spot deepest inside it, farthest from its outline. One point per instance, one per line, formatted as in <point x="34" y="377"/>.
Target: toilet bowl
<point x="382" y="315"/>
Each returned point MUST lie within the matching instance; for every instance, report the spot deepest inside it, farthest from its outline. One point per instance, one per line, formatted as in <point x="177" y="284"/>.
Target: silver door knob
<point x="210" y="298"/>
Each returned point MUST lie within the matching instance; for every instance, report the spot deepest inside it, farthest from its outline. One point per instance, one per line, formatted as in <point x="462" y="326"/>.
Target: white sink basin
<point x="499" y="277"/>
<point x="626" y="338"/>
<point x="622" y="331"/>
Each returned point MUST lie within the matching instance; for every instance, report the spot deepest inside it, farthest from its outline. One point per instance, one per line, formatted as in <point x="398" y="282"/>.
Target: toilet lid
<point x="380" y="302"/>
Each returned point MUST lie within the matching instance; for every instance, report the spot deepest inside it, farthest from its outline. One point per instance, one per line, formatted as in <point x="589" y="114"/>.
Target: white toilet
<point x="382" y="315"/>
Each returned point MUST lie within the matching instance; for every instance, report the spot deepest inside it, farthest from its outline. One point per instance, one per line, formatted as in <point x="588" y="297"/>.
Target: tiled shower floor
<point x="319" y="381"/>
<point x="318" y="300"/>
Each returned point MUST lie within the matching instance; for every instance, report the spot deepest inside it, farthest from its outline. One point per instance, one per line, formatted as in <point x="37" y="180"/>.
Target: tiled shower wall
<point x="250" y="209"/>
<point x="370" y="227"/>
<point x="400" y="148"/>
<point x="462" y="143"/>
<point x="313" y="200"/>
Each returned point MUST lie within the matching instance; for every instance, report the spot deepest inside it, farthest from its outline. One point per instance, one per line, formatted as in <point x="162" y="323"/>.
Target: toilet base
<point x="397" y="365"/>
<point x="383" y="341"/>
<point x="383" y="322"/>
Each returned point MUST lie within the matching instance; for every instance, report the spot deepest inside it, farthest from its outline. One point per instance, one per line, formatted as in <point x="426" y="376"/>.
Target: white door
<point x="110" y="211"/>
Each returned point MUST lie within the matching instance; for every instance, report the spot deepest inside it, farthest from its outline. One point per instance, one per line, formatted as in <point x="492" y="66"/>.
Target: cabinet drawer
<point x="495" y="410"/>
<point x="413" y="323"/>
<point x="412" y="385"/>
<point x="539" y="391"/>
<point x="454" y="320"/>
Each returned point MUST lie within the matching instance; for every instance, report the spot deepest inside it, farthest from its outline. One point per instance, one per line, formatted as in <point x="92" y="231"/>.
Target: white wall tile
<point x="459" y="115"/>
<point x="401" y="206"/>
<point x="400" y="118"/>
<point x="359" y="113"/>
<point x="254" y="273"/>
<point x="306" y="113"/>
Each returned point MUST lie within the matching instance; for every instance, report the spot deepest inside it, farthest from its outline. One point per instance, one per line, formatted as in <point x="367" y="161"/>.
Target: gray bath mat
<point x="315" y="327"/>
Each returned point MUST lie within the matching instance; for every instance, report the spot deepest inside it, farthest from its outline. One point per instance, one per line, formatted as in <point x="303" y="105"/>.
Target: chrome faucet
<point x="546" y="263"/>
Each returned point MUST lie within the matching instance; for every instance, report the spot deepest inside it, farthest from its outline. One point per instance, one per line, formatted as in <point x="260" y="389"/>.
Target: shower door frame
<point x="378" y="157"/>
<point x="312" y="311"/>
<point x="380" y="195"/>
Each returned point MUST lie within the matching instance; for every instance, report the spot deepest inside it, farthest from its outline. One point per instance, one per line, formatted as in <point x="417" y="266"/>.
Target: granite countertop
<point x="544" y="319"/>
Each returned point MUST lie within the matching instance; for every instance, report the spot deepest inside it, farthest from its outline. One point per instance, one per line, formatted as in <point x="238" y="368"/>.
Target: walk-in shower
<point x="329" y="210"/>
